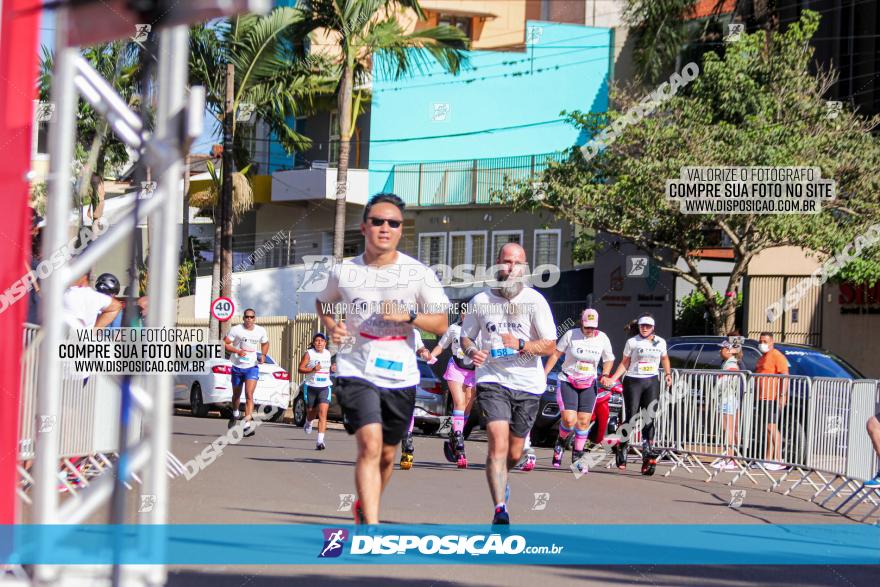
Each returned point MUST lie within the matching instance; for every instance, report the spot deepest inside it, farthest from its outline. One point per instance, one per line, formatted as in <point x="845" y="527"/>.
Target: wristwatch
<point x="412" y="316"/>
<point x="522" y="344"/>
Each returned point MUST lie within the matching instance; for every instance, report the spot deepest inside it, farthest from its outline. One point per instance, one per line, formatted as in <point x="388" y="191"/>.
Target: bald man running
<point x="515" y="327"/>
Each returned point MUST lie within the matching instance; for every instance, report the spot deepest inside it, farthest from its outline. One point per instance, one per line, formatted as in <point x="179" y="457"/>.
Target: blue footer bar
<point x="590" y="544"/>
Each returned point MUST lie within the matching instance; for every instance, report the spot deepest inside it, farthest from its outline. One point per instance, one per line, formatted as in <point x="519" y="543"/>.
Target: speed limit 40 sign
<point x="222" y="309"/>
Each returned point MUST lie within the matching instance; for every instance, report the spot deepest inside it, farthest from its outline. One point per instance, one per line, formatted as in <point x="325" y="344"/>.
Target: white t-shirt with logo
<point x="530" y="319"/>
<point x="452" y="337"/>
<point x="82" y="305"/>
<point x="249" y="341"/>
<point x="383" y="352"/>
<point x="583" y="354"/>
<point x="644" y="356"/>
<point x="321" y="377"/>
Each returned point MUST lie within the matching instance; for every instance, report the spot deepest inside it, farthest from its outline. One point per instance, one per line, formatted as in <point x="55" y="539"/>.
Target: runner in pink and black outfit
<point x="584" y="349"/>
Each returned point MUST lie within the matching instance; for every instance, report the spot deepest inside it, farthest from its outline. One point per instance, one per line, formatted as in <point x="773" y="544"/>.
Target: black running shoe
<point x="320" y="446"/>
<point x="501" y="517"/>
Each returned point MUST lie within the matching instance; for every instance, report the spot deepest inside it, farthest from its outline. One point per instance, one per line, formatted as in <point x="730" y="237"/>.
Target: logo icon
<point x="346" y="500"/>
<point x="334" y="540"/>
<point x="245" y="112"/>
<point x="734" y="31"/>
<point x="147" y="503"/>
<point x="141" y="32"/>
<point x="45" y="111"/>
<point x="317" y="273"/>
<point x="541" y="501"/>
<point x="445" y="426"/>
<point x="441" y="112"/>
<point x="736" y="498"/>
<point x="834" y="108"/>
<point x="47" y="423"/>
<point x="148" y="188"/>
<point x="636" y="266"/>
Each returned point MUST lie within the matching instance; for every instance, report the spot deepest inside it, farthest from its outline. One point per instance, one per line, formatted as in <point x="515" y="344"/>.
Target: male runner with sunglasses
<point x="242" y="341"/>
<point x="386" y="294"/>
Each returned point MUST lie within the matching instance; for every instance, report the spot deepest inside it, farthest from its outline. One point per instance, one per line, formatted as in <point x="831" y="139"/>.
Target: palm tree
<point x="362" y="28"/>
<point x="271" y="73"/>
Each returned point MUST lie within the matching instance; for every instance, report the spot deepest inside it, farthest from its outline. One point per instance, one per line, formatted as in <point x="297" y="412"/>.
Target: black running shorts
<point x="518" y="408"/>
<point x="363" y="403"/>
<point x="579" y="400"/>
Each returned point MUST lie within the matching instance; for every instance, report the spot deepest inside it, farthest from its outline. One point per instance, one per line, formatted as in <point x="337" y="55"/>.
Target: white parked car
<point x="212" y="389"/>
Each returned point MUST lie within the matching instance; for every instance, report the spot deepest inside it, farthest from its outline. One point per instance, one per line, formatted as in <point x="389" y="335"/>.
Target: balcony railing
<point x="465" y="182"/>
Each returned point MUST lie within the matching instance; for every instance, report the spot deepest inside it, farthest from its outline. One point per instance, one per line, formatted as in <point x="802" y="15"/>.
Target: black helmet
<point x="107" y="284"/>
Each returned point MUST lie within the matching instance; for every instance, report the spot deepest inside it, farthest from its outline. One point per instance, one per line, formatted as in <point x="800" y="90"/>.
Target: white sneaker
<point x="773" y="467"/>
<point x="308" y="427"/>
<point x="717" y="464"/>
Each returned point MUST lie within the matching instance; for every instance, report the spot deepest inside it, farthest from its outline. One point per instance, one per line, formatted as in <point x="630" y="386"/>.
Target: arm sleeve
<point x="330" y="293"/>
<point x="563" y="342"/>
<point x="607" y="352"/>
<point x="543" y="325"/>
<point x="627" y="348"/>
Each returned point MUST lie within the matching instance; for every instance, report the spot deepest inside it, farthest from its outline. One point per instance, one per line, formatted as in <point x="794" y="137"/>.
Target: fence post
<point x="419" y="192"/>
<point x="474" y="183"/>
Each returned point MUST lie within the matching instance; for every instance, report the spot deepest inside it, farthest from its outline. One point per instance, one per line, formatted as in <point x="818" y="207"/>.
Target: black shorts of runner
<point x="317" y="395"/>
<point x="768" y="411"/>
<point x="518" y="408"/>
<point x="363" y="403"/>
<point x="579" y="400"/>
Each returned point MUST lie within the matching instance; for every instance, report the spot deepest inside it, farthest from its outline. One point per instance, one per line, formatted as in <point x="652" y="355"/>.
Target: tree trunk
<point x="344" y="115"/>
<point x="226" y="194"/>
<point x="214" y="324"/>
<point x="184" y="243"/>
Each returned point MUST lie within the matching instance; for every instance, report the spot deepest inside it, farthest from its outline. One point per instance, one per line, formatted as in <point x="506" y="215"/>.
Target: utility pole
<point x="226" y="194"/>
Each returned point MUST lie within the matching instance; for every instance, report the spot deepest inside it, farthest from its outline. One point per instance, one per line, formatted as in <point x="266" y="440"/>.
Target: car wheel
<point x="277" y="415"/>
<point x="196" y="404"/>
<point x="299" y="411"/>
<point x="429" y="429"/>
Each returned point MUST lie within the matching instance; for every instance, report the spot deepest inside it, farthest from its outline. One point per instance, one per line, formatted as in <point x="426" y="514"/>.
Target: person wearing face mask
<point x="515" y="326"/>
<point x="584" y="349"/>
<point x="643" y="355"/>
<point x="772" y="397"/>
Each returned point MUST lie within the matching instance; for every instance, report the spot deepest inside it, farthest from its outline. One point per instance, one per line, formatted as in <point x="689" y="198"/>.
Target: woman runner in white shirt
<point x="584" y="349"/>
<point x="316" y="366"/>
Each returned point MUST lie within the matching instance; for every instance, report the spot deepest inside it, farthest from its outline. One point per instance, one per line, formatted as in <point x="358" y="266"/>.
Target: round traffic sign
<point x="222" y="309"/>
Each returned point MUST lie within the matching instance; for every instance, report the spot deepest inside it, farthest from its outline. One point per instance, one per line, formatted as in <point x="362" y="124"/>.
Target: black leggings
<point x="638" y="393"/>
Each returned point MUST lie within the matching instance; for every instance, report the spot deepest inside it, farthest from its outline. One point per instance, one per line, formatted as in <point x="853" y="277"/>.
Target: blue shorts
<point x="239" y="375"/>
<point x="317" y="395"/>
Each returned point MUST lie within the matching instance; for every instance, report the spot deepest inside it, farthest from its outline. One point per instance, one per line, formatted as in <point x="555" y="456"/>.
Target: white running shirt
<point x="453" y="337"/>
<point x="82" y="306"/>
<point x="583" y="355"/>
<point x="493" y="315"/>
<point x="249" y="341"/>
<point x="320" y="378"/>
<point x="644" y="356"/>
<point x="383" y="352"/>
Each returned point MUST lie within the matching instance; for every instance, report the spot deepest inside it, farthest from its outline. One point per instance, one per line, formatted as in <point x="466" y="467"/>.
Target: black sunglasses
<point x="250" y="316"/>
<point x="380" y="221"/>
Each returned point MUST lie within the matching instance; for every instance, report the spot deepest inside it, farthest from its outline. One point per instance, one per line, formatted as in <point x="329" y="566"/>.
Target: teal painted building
<point x="500" y="113"/>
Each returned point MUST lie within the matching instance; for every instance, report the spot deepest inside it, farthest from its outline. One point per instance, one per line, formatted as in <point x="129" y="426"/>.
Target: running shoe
<point x="531" y="460"/>
<point x="523" y="464"/>
<point x="717" y="464"/>
<point x="620" y="456"/>
<point x="320" y="446"/>
<point x="308" y="427"/>
<point x="248" y="428"/>
<point x="501" y="517"/>
<point x="775" y="467"/>
<point x="558" y="451"/>
<point x="875" y="482"/>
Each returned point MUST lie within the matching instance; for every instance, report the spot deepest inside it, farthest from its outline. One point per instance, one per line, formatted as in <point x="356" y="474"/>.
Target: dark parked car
<point x="547" y="423"/>
<point x="431" y="402"/>
<point x="702" y="352"/>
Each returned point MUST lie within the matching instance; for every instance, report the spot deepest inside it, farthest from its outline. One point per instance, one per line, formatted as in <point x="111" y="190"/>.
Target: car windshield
<point x="817" y="364"/>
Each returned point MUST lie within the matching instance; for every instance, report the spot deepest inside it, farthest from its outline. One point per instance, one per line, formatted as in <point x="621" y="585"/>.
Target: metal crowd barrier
<point x="88" y="422"/>
<point x="794" y="434"/>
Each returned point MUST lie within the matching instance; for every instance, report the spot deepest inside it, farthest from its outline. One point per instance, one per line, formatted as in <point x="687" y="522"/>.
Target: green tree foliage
<point x="759" y="105"/>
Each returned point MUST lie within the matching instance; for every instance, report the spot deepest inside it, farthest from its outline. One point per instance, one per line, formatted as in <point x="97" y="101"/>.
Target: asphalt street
<point x="278" y="477"/>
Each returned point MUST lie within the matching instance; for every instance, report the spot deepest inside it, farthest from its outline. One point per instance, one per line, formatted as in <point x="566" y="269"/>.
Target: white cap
<point x="646" y="320"/>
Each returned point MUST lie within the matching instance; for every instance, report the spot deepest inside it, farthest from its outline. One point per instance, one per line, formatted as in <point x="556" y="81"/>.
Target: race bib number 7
<point x="386" y="363"/>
